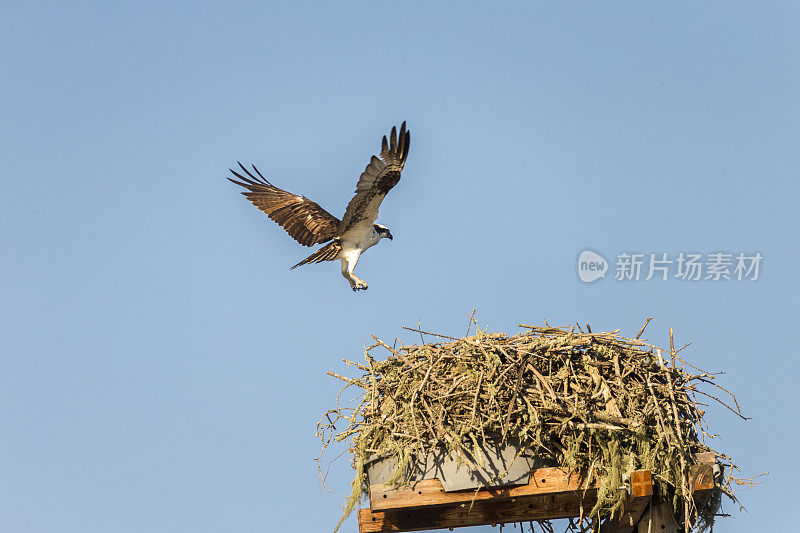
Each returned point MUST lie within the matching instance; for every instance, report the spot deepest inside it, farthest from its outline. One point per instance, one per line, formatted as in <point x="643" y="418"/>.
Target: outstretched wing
<point x="303" y="219"/>
<point x="377" y="180"/>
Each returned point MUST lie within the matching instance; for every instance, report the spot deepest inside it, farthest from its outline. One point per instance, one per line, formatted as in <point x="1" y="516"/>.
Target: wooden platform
<point x="550" y="494"/>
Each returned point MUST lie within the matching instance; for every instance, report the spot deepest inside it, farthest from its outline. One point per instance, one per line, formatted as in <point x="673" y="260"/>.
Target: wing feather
<point x="329" y="252"/>
<point x="304" y="220"/>
<point x="378" y="178"/>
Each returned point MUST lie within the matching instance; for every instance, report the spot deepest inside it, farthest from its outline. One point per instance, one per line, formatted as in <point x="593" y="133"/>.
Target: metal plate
<point x="501" y="466"/>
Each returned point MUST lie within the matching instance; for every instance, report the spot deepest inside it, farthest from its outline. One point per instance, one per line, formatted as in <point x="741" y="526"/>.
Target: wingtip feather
<point x="261" y="175"/>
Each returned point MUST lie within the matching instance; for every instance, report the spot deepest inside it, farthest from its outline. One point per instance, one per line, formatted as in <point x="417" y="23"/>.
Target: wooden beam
<point x="704" y="458"/>
<point x="703" y="481"/>
<point x="430" y="492"/>
<point x="703" y="477"/>
<point x="551" y="494"/>
<point x="480" y="513"/>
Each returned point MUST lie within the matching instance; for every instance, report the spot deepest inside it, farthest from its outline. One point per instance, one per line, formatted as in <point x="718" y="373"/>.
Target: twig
<point x="643" y="327"/>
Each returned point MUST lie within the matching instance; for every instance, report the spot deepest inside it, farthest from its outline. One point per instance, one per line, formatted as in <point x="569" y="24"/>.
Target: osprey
<point x="309" y="224"/>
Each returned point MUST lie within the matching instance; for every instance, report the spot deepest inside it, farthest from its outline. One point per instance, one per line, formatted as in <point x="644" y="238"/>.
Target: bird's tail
<point x="329" y="252"/>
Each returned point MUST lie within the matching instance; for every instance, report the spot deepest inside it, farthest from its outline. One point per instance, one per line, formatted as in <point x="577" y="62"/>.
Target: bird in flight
<point x="309" y="224"/>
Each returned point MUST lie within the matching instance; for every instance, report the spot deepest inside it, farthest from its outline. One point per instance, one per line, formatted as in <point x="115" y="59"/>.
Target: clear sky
<point x="161" y="369"/>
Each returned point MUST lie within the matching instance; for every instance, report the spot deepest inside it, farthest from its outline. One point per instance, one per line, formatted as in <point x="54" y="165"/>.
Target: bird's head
<point x="383" y="232"/>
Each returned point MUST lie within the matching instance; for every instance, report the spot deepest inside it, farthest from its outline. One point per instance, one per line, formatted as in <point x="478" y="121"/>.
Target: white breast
<point x="362" y="235"/>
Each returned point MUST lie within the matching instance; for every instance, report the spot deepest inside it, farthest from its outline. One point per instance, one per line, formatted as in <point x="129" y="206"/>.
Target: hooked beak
<point x="390" y="237"/>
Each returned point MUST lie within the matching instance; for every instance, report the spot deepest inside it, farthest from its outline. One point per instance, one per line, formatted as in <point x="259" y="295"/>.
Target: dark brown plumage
<point x="304" y="220"/>
<point x="329" y="252"/>
<point x="378" y="178"/>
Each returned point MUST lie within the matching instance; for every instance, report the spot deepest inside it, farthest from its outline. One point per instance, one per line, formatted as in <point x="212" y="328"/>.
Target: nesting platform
<point x="551" y="493"/>
<point x="609" y="425"/>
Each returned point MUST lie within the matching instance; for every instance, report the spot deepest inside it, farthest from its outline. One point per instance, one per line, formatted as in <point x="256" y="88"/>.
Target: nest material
<point x="596" y="403"/>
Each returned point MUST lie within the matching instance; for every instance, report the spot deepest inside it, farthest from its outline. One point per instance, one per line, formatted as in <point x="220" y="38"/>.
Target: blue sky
<point x="161" y="369"/>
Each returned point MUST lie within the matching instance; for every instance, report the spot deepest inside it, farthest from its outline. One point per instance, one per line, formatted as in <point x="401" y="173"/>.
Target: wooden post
<point x="658" y="519"/>
<point x="638" y="500"/>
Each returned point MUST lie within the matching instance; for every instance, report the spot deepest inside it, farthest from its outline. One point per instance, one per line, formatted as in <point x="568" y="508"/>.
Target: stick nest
<point x="596" y="403"/>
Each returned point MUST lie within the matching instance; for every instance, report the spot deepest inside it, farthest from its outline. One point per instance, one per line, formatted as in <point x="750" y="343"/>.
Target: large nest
<point x="596" y="403"/>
